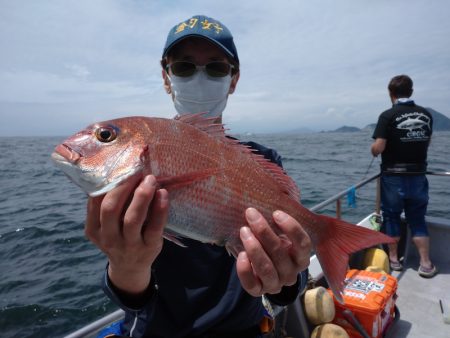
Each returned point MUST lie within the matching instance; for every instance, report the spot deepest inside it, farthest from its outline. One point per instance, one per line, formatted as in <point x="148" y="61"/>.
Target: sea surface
<point x="50" y="274"/>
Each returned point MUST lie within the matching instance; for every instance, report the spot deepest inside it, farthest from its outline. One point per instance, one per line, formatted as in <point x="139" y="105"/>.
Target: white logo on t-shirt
<point x="417" y="124"/>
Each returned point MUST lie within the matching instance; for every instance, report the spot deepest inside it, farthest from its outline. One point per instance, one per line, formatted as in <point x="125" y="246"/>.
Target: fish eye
<point x="105" y="134"/>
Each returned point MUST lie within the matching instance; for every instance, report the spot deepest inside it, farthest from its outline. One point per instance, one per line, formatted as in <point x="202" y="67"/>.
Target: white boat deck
<point x="418" y="298"/>
<point x="418" y="301"/>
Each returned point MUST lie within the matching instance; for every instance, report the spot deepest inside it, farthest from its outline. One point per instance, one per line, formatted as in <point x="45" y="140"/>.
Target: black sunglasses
<point x="213" y="69"/>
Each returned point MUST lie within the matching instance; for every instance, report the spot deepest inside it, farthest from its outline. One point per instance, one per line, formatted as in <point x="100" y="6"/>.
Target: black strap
<point x="404" y="168"/>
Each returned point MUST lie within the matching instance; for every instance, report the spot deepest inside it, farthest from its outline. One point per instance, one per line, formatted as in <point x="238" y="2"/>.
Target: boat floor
<point x="418" y="301"/>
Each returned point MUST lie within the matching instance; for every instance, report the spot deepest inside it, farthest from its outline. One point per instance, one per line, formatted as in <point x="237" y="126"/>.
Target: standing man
<point x="402" y="137"/>
<point x="199" y="291"/>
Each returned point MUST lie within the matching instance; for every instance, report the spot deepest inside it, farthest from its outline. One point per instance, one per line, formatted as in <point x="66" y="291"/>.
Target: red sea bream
<point x="211" y="180"/>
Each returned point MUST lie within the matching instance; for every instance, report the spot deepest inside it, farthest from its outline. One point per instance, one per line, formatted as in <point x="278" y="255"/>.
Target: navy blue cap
<point x="204" y="27"/>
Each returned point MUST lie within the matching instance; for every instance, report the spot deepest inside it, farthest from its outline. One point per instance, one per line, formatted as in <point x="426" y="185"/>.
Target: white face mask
<point x="200" y="93"/>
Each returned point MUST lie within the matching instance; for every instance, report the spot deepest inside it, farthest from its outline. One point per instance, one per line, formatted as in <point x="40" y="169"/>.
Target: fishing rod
<point x="368" y="168"/>
<point x="352" y="194"/>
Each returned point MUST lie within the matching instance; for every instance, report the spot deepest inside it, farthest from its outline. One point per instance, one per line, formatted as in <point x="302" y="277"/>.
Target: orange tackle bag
<point x="369" y="301"/>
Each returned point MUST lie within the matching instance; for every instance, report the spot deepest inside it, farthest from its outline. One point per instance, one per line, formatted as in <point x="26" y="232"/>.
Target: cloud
<point x="78" y="70"/>
<point x="308" y="64"/>
<point x="47" y="87"/>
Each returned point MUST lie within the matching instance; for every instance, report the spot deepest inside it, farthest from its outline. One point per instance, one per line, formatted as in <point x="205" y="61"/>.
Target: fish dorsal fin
<point x="206" y="124"/>
<point x="217" y="130"/>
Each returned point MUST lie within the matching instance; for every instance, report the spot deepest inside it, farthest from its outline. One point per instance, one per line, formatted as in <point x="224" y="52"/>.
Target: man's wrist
<point x="132" y="282"/>
<point x="131" y="300"/>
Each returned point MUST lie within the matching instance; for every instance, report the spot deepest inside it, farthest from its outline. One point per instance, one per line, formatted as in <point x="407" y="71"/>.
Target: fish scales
<point x="211" y="181"/>
<point x="197" y="205"/>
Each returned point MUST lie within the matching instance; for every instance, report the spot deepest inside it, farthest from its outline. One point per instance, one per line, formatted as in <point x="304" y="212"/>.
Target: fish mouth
<point x="63" y="153"/>
<point x="93" y="181"/>
<point x="67" y="160"/>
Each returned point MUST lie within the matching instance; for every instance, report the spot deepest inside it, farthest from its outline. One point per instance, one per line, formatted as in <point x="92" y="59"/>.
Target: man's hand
<point x="378" y="146"/>
<point x="127" y="225"/>
<point x="269" y="261"/>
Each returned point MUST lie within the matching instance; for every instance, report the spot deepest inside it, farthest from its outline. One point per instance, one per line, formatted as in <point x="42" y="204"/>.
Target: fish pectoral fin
<point x="172" y="182"/>
<point x="233" y="249"/>
<point x="174" y="239"/>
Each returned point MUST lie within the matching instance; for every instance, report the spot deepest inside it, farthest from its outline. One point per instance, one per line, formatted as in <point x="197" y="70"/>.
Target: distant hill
<point x="369" y="127"/>
<point x="345" y="129"/>
<point x="440" y="121"/>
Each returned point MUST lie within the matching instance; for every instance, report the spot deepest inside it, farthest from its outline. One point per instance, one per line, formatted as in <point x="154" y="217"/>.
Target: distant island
<point x="346" y="129"/>
<point x="440" y="123"/>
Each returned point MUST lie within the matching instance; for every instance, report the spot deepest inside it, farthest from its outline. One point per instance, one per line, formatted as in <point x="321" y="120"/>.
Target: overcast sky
<point x="314" y="64"/>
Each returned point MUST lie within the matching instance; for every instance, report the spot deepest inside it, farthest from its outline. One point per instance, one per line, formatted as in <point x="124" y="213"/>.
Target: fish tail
<point x="335" y="242"/>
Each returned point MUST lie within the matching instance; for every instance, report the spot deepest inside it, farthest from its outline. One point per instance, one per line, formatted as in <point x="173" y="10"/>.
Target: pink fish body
<point x="211" y="180"/>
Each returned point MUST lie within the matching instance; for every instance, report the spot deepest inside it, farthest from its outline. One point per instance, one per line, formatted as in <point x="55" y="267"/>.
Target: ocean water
<point x="50" y="274"/>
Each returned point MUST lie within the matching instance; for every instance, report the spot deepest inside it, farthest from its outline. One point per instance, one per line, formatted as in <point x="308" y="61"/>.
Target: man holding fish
<point x="229" y="214"/>
<point x="200" y="290"/>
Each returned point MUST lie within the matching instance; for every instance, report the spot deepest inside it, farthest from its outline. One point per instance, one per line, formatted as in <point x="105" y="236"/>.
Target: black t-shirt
<point x="407" y="129"/>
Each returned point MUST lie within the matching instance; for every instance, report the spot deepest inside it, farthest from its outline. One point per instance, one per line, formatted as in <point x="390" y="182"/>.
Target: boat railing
<point x="337" y="198"/>
<point x="93" y="328"/>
